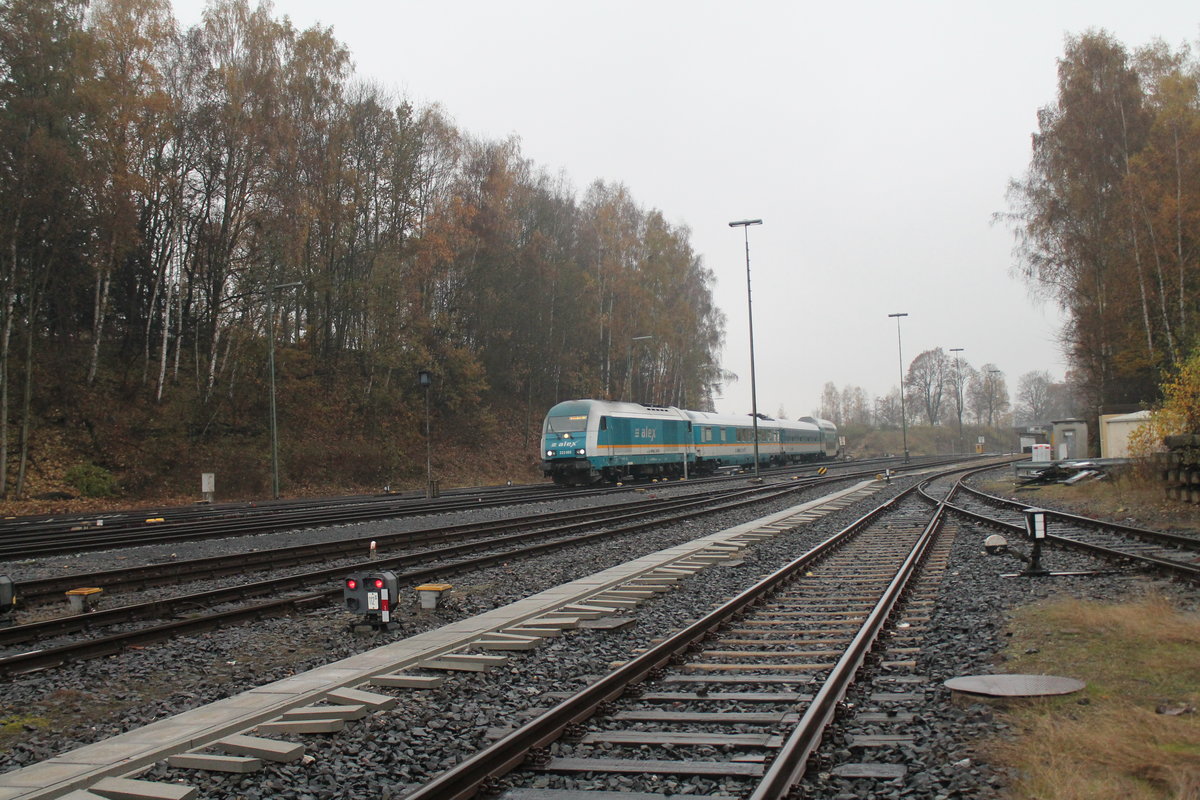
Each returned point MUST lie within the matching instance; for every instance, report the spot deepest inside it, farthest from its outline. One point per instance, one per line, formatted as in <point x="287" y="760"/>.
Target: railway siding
<point x="131" y="752"/>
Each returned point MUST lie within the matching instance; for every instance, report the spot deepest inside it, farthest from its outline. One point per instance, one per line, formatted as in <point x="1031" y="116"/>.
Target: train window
<point x="566" y="424"/>
<point x="604" y="423"/>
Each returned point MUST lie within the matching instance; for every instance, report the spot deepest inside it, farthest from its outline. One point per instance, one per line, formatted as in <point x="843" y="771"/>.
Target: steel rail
<point x="145" y="532"/>
<point x="157" y="608"/>
<point x="49" y="657"/>
<point x="1179" y="569"/>
<point x="203" y="511"/>
<point x="20" y="540"/>
<point x="792" y="760"/>
<point x="166" y="573"/>
<point x="489" y="765"/>
<point x="1162" y="537"/>
<point x="169" y="572"/>
<point x="40" y="659"/>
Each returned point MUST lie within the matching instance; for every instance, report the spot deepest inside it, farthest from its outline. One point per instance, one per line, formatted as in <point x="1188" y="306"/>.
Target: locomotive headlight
<point x="566" y="436"/>
<point x="549" y="454"/>
<point x="581" y="452"/>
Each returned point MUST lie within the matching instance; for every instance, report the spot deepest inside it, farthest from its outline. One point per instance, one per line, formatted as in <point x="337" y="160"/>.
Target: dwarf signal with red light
<point x="354" y="594"/>
<point x="373" y="595"/>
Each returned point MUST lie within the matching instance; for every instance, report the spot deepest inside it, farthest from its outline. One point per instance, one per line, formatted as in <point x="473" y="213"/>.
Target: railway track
<point x="491" y="543"/>
<point x="1175" y="554"/>
<point x="99" y="533"/>
<point x="764" y="674"/>
<point x="33" y="592"/>
<point x="47" y="535"/>
<point x="464" y="537"/>
<point x="778" y="667"/>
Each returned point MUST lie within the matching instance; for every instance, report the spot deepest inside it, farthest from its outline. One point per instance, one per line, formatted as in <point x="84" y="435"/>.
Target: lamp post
<point x="903" y="416"/>
<point x="632" y="350"/>
<point x="745" y="224"/>
<point x="425" y="380"/>
<point x="958" y="398"/>
<point x="271" y="367"/>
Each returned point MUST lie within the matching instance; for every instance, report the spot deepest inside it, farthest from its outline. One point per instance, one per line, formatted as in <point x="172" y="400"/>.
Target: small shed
<point x="1115" y="430"/>
<point x="1068" y="438"/>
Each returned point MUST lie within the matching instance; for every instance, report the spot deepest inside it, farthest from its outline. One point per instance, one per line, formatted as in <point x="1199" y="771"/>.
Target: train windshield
<point x="566" y="424"/>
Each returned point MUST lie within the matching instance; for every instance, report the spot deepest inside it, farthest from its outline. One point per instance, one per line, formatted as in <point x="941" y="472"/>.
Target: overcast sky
<point x="874" y="139"/>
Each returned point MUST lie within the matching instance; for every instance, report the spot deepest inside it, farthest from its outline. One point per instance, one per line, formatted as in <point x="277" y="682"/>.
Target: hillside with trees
<point x="181" y="209"/>
<point x="178" y="207"/>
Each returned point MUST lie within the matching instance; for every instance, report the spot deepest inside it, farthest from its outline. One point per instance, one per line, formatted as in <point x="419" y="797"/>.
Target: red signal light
<point x="351" y="584"/>
<point x="377" y="583"/>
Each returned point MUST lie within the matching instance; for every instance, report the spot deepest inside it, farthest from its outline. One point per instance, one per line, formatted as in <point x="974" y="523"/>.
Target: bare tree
<point x="887" y="409"/>
<point x="831" y="404"/>
<point x="926" y="382"/>
<point x="1034" y="397"/>
<point x="988" y="395"/>
<point x="856" y="407"/>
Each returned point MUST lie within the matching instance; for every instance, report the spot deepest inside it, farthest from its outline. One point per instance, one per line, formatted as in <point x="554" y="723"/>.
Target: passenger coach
<point x="588" y="441"/>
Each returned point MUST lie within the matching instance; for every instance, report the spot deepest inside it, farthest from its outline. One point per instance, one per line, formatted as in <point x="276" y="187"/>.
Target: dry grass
<point x="1129" y="497"/>
<point x="1137" y="659"/>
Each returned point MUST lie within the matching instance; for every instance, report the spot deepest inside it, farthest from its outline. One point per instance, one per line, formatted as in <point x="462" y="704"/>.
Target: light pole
<point x="958" y="398"/>
<point x="632" y="350"/>
<point x="271" y="367"/>
<point x="745" y="224"/>
<point x="425" y="380"/>
<point x="903" y="416"/>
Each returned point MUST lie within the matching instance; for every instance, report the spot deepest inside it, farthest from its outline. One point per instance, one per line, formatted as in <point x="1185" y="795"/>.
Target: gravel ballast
<point x="387" y="753"/>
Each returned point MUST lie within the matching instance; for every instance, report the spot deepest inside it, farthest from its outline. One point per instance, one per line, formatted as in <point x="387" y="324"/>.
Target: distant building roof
<point x="1137" y="416"/>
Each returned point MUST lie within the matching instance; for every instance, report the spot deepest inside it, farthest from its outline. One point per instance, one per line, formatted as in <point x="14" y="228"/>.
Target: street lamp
<point x="958" y="398"/>
<point x="745" y="224"/>
<point x="425" y="380"/>
<point x="271" y="367"/>
<point x="903" y="416"/>
<point x="629" y="379"/>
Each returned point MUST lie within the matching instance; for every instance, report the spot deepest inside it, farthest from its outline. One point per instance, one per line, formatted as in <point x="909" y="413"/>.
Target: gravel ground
<point x="388" y="753"/>
<point x="49" y="713"/>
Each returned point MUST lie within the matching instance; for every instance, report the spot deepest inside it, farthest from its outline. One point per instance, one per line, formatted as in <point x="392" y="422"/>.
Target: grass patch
<point x="11" y="726"/>
<point x="1127" y="496"/>
<point x="1138" y="659"/>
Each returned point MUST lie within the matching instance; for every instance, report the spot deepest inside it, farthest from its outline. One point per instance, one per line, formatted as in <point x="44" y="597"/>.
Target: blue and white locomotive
<point x="589" y="441"/>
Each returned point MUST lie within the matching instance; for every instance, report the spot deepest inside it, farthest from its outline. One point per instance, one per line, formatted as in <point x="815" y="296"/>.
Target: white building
<point x="1115" y="430"/>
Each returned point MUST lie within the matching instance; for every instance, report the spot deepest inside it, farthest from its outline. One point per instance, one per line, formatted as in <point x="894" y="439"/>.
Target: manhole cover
<point x="1015" y="685"/>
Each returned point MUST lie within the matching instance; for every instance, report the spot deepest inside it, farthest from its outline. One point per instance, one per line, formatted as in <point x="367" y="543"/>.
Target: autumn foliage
<point x="174" y="203"/>
<point x="1108" y="216"/>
